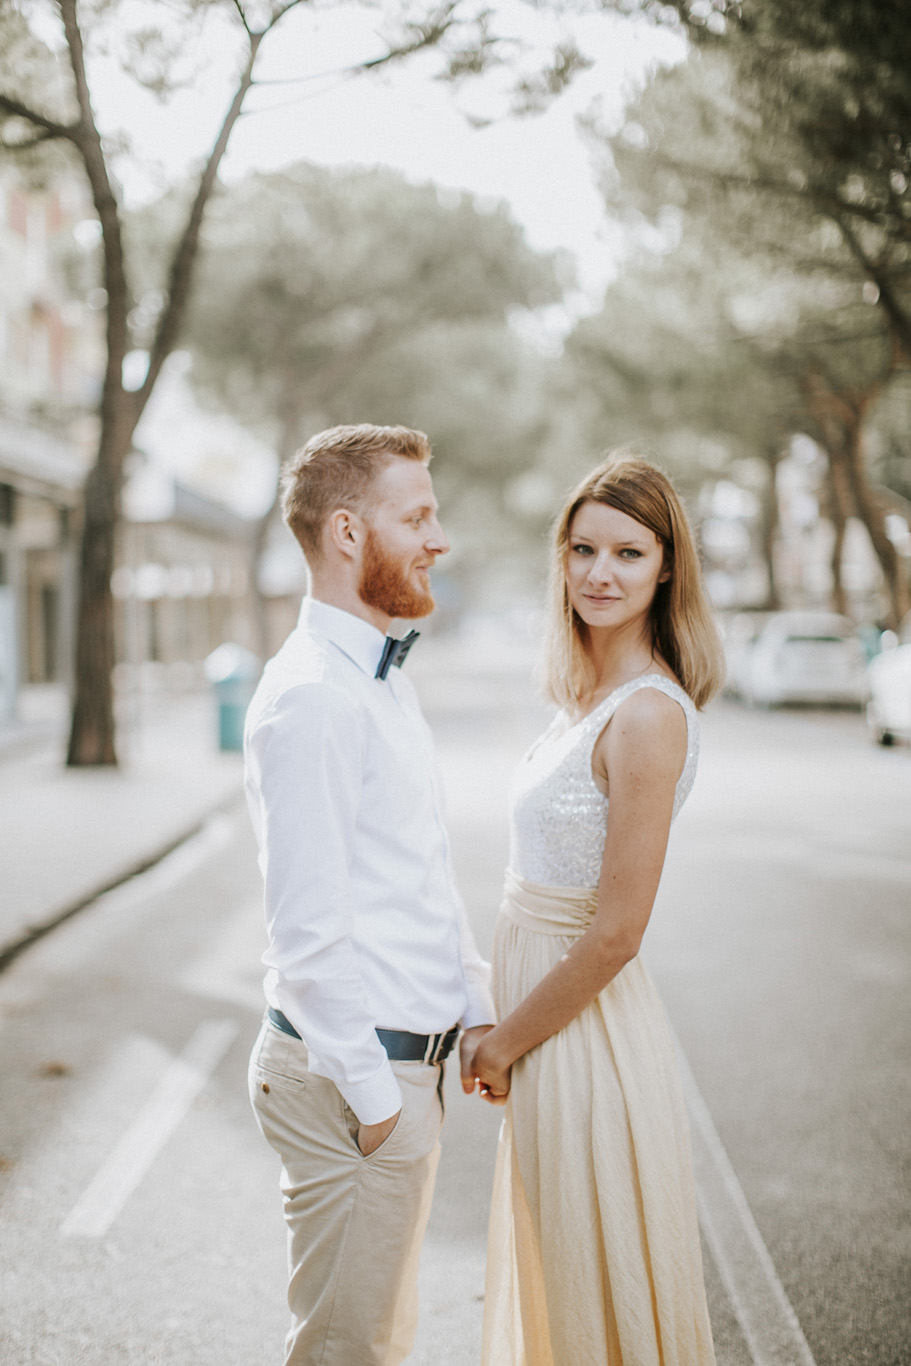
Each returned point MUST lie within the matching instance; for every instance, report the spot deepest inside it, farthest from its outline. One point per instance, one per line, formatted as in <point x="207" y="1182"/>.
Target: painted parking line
<point x="765" y="1314"/>
<point x="104" y="1198"/>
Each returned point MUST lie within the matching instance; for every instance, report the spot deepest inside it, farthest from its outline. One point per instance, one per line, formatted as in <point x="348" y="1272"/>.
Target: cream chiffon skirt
<point x="593" y="1254"/>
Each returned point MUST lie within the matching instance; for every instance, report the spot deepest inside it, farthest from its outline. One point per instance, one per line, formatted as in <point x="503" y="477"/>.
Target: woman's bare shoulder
<point x="649" y="725"/>
<point x="650" y="706"/>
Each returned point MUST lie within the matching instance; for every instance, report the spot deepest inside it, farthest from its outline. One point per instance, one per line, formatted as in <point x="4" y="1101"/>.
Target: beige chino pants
<point x="355" y="1223"/>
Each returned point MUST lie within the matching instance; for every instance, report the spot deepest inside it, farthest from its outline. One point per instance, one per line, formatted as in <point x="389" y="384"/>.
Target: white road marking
<point x="98" y="1207"/>
<point x="766" y="1316"/>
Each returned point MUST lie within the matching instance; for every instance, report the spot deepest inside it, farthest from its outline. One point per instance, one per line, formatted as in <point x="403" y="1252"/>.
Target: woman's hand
<point x="490" y="1071"/>
<point x="468" y="1047"/>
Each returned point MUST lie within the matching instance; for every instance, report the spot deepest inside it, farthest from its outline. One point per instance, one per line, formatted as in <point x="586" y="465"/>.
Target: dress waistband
<point x="566" y="911"/>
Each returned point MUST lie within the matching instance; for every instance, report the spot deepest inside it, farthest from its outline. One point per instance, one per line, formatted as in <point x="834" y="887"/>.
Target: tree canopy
<point x="328" y="296"/>
<point x="793" y="237"/>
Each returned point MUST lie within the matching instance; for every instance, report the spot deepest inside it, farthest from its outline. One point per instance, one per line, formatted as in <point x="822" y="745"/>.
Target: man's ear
<point x="344" y="532"/>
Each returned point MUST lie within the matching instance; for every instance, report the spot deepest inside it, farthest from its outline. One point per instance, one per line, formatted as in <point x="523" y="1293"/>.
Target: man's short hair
<point x="335" y="469"/>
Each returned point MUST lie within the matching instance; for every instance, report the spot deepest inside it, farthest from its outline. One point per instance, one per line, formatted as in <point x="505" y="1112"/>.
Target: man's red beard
<point x="384" y="584"/>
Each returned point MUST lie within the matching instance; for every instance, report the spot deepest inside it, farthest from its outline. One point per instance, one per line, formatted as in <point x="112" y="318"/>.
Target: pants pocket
<point x="389" y="1143"/>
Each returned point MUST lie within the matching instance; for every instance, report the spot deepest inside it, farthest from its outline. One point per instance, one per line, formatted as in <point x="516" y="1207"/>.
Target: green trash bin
<point x="234" y="673"/>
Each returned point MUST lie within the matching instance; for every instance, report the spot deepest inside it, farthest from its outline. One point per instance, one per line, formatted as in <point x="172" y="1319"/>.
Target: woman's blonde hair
<point x="684" y="629"/>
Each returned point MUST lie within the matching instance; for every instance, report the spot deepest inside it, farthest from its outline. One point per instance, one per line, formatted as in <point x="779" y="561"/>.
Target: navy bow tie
<point x="394" y="652"/>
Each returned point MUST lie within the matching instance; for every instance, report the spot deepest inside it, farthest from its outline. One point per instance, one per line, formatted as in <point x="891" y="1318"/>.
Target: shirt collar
<point x="360" y="641"/>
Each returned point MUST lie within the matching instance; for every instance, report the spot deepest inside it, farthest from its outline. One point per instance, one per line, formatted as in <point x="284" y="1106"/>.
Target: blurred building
<point x="50" y="349"/>
<point x="182" y="585"/>
<point x="182" y="582"/>
<point x="40" y="481"/>
<point x="282" y="580"/>
<point x="51" y="343"/>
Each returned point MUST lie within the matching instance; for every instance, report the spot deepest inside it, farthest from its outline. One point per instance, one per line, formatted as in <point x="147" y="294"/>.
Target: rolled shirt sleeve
<point x="306" y="759"/>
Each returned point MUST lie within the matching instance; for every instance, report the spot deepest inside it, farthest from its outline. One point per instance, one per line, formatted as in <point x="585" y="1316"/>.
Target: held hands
<point x="484" y="1074"/>
<point x="480" y="1067"/>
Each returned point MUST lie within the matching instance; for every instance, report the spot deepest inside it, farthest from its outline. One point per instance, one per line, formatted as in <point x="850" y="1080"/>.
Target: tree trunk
<point x="92" y="731"/>
<point x="839" y="598"/>
<point x="873" y="517"/>
<point x="839" y="510"/>
<point x="769" y="529"/>
<point x="92" y="726"/>
<point x="840" y="417"/>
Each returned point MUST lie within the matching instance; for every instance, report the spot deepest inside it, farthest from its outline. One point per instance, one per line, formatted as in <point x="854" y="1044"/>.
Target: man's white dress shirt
<point x="366" y="929"/>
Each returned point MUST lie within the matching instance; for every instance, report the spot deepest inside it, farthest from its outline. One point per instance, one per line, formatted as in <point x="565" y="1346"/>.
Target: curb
<point x="10" y="951"/>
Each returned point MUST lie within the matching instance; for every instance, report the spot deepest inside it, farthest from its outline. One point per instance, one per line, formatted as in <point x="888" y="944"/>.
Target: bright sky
<point x="400" y="118"/>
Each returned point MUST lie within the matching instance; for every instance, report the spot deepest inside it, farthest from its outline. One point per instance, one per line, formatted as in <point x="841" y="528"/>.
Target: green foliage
<point x="310" y="267"/>
<point x="811" y="107"/>
<point x="344" y="296"/>
<point x="751" y="285"/>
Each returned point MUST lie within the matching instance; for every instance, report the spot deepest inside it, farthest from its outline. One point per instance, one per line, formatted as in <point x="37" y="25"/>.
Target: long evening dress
<point x="593" y="1253"/>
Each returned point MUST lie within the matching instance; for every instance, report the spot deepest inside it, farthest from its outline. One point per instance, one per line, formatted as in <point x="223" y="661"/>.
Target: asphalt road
<point x="139" y="1213"/>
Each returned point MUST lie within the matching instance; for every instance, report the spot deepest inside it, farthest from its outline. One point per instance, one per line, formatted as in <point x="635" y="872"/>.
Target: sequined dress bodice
<point x="558" y="815"/>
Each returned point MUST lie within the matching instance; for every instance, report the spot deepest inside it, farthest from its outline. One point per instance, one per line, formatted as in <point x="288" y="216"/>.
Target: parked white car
<point x="810" y="657"/>
<point x="889" y="707"/>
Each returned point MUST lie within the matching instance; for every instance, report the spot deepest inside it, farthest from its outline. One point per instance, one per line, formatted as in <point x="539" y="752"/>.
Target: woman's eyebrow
<point x="635" y="544"/>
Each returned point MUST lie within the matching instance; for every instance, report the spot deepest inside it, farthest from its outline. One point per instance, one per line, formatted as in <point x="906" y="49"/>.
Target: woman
<point x="594" y="1256"/>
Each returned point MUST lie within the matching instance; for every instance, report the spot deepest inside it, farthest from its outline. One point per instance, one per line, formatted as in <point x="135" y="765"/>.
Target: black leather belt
<point x="400" y="1046"/>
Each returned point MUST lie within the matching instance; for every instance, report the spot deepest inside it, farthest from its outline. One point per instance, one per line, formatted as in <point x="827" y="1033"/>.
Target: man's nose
<point x="437" y="542"/>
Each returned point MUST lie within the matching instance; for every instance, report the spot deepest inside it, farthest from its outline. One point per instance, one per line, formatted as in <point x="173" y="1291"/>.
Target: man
<point x="372" y="968"/>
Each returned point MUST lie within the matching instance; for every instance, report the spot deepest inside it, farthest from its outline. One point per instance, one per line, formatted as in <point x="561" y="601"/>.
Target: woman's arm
<point x="642" y="752"/>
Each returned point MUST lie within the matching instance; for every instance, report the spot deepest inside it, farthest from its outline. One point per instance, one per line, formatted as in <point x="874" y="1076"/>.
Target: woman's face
<point x="613" y="567"/>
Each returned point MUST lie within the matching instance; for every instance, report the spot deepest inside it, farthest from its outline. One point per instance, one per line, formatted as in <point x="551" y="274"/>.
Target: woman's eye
<point x="632" y="554"/>
<point x="582" y="550"/>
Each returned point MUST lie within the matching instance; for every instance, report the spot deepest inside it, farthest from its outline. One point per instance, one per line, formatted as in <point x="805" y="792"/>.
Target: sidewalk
<point x="68" y="834"/>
